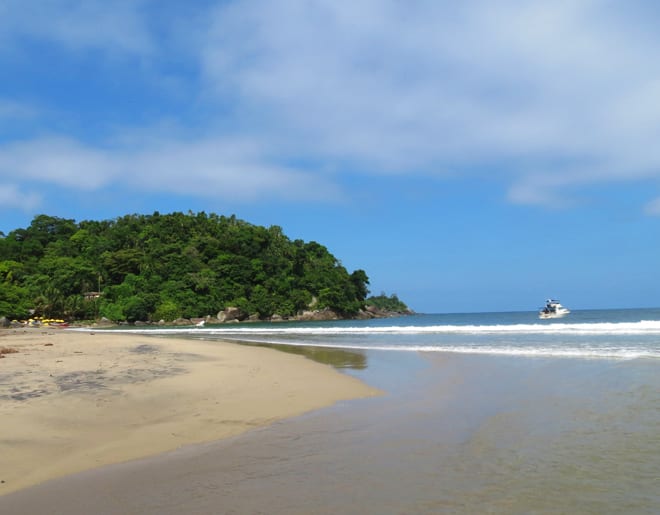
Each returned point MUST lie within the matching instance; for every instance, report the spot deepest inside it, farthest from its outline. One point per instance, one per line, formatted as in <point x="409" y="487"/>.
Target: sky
<point x="469" y="156"/>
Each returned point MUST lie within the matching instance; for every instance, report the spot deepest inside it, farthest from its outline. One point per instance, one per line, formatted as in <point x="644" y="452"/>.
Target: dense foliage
<point x="153" y="267"/>
<point x="385" y="303"/>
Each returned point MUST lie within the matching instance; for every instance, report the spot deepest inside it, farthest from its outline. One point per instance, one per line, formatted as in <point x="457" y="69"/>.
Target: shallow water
<point x="455" y="434"/>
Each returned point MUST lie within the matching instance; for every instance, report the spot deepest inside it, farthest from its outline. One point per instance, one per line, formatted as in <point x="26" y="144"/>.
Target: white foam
<point x="592" y="352"/>
<point x="602" y="328"/>
<point x="572" y="344"/>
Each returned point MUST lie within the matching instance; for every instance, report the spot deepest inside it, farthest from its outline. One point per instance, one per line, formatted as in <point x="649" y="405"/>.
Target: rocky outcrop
<point x="319" y="315"/>
<point x="232" y="314"/>
<point x="374" y="312"/>
<point x="103" y="322"/>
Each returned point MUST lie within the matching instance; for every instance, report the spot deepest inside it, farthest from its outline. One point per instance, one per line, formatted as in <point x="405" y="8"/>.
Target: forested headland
<point x="171" y="266"/>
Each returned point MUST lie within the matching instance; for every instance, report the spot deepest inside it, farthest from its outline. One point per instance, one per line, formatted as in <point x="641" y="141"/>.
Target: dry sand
<point x="72" y="401"/>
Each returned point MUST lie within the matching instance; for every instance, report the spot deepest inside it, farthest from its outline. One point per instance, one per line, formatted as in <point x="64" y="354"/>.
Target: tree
<point x="14" y="301"/>
<point x="360" y="280"/>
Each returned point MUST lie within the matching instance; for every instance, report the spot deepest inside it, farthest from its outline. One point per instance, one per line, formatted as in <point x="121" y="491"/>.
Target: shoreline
<point x="75" y="401"/>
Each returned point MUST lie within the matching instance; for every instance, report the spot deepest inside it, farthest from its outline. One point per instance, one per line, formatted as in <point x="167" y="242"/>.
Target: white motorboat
<point x="553" y="309"/>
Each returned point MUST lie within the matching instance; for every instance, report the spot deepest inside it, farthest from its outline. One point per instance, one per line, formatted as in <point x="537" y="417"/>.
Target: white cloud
<point x="59" y="161"/>
<point x="12" y="197"/>
<point x="220" y="168"/>
<point x="399" y="87"/>
<point x="225" y="168"/>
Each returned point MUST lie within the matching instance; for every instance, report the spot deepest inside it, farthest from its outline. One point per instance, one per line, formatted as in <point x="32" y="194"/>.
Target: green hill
<point x="153" y="267"/>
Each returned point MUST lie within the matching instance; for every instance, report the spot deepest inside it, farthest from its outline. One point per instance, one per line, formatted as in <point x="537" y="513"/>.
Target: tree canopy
<point x="166" y="266"/>
<point x="390" y="303"/>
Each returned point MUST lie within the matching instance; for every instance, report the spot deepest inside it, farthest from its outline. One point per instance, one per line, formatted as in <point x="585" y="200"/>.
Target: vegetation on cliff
<point x="166" y="266"/>
<point x="391" y="304"/>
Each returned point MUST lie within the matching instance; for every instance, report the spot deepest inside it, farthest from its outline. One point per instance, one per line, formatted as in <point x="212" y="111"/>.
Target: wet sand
<point x="74" y="401"/>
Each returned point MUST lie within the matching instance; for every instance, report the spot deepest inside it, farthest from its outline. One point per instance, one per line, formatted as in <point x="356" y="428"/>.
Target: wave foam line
<point x="592" y="352"/>
<point x="549" y="352"/>
<point x="603" y="328"/>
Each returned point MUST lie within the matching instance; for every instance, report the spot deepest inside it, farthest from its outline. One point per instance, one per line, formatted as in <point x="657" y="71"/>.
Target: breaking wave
<point x="643" y="327"/>
<point x="604" y="340"/>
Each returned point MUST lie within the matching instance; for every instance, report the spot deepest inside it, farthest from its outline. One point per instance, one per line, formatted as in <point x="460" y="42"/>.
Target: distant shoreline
<point x="226" y="317"/>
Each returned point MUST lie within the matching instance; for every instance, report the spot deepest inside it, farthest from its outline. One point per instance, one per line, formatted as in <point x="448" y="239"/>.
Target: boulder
<point x="103" y="322"/>
<point x="318" y="315"/>
<point x="374" y="312"/>
<point x="4" y="322"/>
<point x="231" y="314"/>
<point x="365" y="315"/>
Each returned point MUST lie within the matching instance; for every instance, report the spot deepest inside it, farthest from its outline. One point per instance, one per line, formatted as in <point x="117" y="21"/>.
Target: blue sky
<point x="470" y="156"/>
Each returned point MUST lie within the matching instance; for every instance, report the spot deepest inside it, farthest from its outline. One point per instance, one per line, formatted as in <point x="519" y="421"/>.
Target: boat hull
<point x="553" y="315"/>
<point x="562" y="312"/>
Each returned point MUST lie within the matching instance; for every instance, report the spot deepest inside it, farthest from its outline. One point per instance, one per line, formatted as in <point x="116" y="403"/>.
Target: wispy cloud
<point x="11" y="110"/>
<point x="425" y="86"/>
<point x="12" y="197"/>
<point x="222" y="168"/>
<point x="79" y="25"/>
<point x="58" y="161"/>
<point x="653" y="207"/>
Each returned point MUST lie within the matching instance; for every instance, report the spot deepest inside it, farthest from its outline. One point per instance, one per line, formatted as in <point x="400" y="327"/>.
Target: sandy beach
<point x="73" y="401"/>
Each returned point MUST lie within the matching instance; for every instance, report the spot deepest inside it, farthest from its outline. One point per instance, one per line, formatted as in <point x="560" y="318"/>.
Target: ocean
<point x="606" y="334"/>
<point x="497" y="413"/>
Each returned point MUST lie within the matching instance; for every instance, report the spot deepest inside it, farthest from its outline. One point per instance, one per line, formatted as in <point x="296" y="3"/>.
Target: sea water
<point x="606" y="334"/>
<point x="481" y="413"/>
